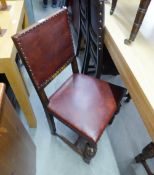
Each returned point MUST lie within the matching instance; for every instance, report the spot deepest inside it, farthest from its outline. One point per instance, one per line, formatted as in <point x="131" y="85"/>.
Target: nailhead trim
<point x="101" y="27"/>
<point x="26" y="59"/>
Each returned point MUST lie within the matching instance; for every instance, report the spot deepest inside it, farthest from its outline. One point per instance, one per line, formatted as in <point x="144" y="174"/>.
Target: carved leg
<point x="147" y="153"/>
<point x="144" y="4"/>
<point x="113" y="6"/>
<point x="89" y="152"/>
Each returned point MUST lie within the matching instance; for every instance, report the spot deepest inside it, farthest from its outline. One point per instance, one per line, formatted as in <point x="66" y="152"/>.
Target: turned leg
<point x="147" y="153"/>
<point x="89" y="152"/>
<point x="113" y="6"/>
<point x="144" y="4"/>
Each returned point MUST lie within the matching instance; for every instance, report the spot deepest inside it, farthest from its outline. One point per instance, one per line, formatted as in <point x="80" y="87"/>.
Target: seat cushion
<point x="85" y="104"/>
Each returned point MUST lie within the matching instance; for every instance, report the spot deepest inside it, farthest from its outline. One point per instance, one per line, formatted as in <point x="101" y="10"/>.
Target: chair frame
<point x="90" y="148"/>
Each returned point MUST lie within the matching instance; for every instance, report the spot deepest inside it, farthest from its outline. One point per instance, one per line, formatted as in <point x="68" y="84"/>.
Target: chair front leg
<point x="89" y="152"/>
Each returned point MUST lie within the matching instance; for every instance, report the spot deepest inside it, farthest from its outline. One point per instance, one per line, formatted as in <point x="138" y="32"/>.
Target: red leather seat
<point x="93" y="101"/>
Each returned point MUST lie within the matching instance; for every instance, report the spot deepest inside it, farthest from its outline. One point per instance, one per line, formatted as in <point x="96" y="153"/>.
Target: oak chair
<point x="83" y="103"/>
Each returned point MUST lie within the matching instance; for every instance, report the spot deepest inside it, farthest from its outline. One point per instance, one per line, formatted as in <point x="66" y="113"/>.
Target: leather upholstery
<point x="46" y="47"/>
<point x="85" y="104"/>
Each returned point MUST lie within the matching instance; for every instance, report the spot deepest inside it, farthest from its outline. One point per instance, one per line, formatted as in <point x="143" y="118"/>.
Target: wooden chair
<point x="83" y="103"/>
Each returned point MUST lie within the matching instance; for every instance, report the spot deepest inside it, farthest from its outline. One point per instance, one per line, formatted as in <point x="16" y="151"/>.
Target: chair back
<point x="46" y="48"/>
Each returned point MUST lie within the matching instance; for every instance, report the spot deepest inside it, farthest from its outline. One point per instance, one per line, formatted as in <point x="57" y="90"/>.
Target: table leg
<point x="3" y="5"/>
<point x="113" y="6"/>
<point x="17" y="85"/>
<point x="25" y="20"/>
<point x="147" y="153"/>
<point x="144" y="4"/>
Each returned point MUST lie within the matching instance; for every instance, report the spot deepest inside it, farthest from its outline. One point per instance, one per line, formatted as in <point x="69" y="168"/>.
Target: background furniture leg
<point x="144" y="4"/>
<point x="147" y="153"/>
<point x="17" y="85"/>
<point x="113" y="6"/>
